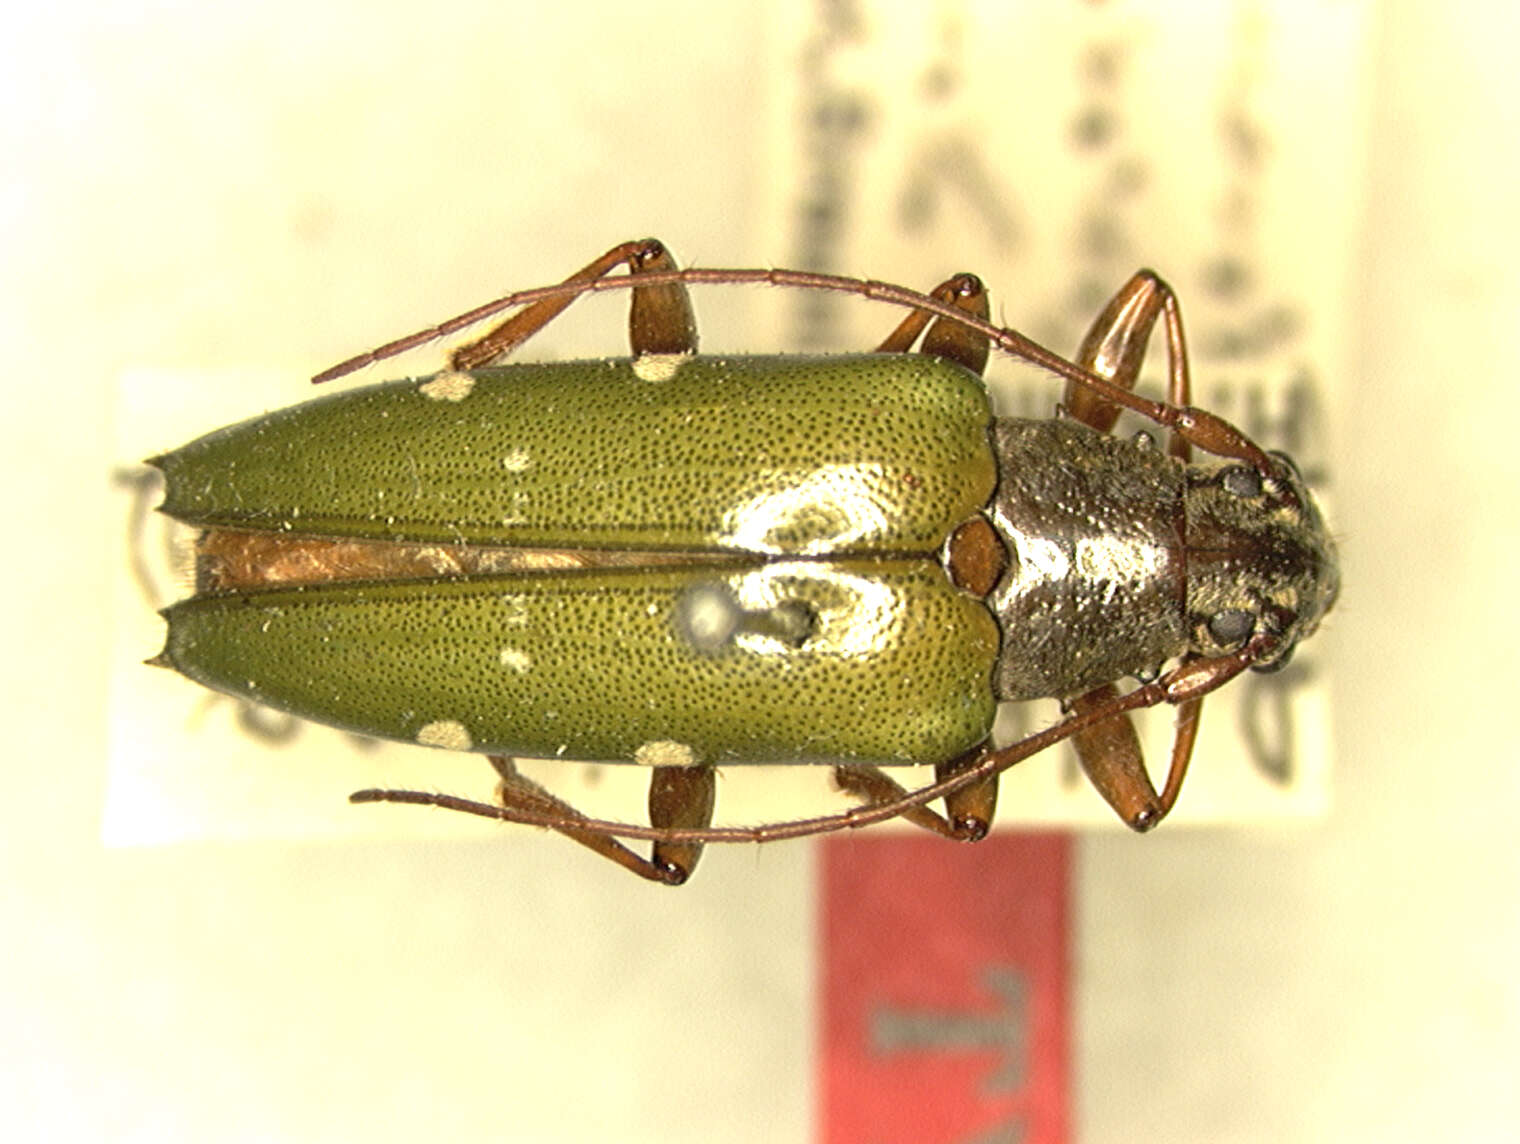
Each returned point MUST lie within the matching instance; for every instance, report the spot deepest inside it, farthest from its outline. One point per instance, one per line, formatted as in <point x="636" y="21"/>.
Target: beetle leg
<point x="1114" y="349"/>
<point x="518" y="792"/>
<point x="680" y="798"/>
<point x="1113" y="761"/>
<point x="958" y="343"/>
<point x="970" y="808"/>
<point x="661" y="320"/>
<point x="946" y="338"/>
<point x="872" y="785"/>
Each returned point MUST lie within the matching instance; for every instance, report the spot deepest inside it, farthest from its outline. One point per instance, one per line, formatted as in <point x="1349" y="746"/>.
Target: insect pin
<point x="686" y="562"/>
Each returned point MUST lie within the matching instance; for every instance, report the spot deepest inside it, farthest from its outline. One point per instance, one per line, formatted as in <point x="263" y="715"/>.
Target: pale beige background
<point x="208" y="190"/>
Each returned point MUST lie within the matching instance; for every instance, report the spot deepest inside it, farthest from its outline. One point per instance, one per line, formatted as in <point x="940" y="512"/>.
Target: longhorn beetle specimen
<point x="686" y="562"/>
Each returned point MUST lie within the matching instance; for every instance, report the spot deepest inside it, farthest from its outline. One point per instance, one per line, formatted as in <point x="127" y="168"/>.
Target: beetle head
<point x="1260" y="560"/>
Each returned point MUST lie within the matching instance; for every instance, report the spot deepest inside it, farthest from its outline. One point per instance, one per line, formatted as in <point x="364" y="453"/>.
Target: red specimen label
<point x="944" y="1003"/>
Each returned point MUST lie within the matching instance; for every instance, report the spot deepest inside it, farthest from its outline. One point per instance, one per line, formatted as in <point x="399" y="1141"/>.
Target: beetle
<point x="687" y="562"/>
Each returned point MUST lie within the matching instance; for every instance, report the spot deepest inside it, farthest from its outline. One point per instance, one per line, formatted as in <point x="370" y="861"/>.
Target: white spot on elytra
<point x="665" y="753"/>
<point x="516" y="461"/>
<point x="448" y="387"/>
<point x="449" y="734"/>
<point x="514" y="660"/>
<point x="658" y="367"/>
<point x="708" y="616"/>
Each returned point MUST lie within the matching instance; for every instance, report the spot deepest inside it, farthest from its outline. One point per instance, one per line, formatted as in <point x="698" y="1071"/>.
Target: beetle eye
<point x="1241" y="481"/>
<point x="1231" y="626"/>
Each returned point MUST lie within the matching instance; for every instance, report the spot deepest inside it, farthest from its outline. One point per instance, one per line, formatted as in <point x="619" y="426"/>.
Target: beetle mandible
<point x="686" y="562"/>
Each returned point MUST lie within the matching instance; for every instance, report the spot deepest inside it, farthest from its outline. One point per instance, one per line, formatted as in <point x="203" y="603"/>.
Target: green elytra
<point x="833" y="482"/>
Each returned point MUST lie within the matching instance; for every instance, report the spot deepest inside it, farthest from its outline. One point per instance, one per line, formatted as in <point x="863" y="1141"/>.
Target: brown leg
<point x="1114" y="349"/>
<point x="946" y="339"/>
<point x="661" y="320"/>
<point x="672" y="863"/>
<point x="872" y="785"/>
<point x="971" y="808"/>
<point x="680" y="798"/>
